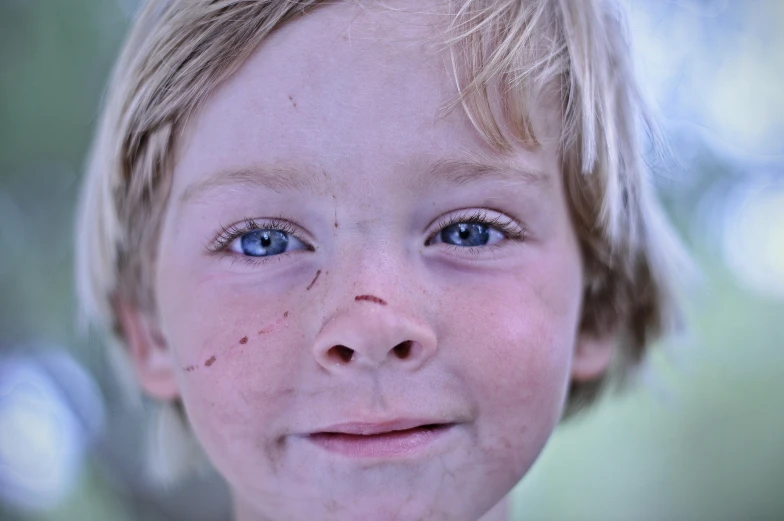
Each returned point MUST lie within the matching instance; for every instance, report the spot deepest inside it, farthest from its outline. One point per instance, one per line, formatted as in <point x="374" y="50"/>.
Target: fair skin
<point x="309" y="359"/>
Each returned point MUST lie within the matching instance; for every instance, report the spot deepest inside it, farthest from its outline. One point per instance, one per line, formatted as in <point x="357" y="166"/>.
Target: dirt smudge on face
<point x="314" y="280"/>
<point x="371" y="298"/>
<point x="210" y="361"/>
<point x="335" y="202"/>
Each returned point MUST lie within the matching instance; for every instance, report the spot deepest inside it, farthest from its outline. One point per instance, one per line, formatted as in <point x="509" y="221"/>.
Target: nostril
<point x="403" y="349"/>
<point x="343" y="353"/>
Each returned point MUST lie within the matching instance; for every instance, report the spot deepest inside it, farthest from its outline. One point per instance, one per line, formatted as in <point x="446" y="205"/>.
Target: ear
<point x="149" y="352"/>
<point x="592" y="355"/>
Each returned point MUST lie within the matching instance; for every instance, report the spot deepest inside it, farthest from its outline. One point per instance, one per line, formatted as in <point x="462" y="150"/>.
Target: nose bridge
<point x="371" y="269"/>
<point x="373" y="263"/>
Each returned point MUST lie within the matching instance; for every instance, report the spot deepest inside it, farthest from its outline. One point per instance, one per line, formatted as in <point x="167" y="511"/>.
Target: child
<point x="370" y="253"/>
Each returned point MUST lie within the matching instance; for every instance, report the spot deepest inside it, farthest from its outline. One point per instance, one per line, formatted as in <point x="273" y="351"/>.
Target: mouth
<point x="389" y="440"/>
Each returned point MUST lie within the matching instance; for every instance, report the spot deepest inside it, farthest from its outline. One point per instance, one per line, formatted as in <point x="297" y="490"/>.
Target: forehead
<point x="354" y="89"/>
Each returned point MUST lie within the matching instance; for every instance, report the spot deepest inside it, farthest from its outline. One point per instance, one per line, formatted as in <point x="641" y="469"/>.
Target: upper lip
<point x="363" y="428"/>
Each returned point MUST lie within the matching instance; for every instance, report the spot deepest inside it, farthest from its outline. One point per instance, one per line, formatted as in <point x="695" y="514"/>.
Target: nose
<point x="370" y="333"/>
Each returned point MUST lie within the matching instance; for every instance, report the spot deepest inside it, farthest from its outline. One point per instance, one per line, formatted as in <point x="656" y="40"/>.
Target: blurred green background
<point x="699" y="437"/>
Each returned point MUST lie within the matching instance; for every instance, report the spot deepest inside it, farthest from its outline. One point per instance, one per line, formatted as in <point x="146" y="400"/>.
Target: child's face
<point x="331" y="139"/>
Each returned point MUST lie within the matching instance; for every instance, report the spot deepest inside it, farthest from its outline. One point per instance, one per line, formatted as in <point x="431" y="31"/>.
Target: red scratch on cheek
<point x="210" y="361"/>
<point x="314" y="280"/>
<point x="371" y="298"/>
<point x="274" y="326"/>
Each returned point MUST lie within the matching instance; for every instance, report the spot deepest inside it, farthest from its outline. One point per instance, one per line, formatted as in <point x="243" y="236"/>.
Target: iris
<point x="466" y="234"/>
<point x="264" y="243"/>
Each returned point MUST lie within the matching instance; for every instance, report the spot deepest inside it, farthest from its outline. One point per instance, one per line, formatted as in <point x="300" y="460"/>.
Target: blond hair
<point x="179" y="51"/>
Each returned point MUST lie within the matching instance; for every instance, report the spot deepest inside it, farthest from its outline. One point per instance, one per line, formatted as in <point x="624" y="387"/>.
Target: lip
<point x="389" y="439"/>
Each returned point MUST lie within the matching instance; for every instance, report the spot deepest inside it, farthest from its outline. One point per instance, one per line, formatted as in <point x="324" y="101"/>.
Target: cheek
<point x="237" y="365"/>
<point x="517" y="364"/>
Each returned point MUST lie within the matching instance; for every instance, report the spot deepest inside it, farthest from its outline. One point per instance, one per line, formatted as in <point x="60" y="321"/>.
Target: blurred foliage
<point x="700" y="438"/>
<point x="54" y="59"/>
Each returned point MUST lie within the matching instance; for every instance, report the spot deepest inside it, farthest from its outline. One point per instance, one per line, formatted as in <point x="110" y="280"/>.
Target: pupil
<point x="266" y="240"/>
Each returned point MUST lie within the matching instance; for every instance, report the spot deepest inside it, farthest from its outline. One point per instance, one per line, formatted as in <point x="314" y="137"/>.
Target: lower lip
<point x="386" y="445"/>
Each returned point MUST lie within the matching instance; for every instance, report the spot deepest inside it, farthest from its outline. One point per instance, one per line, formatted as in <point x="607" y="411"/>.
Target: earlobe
<point x="592" y="356"/>
<point x="149" y="351"/>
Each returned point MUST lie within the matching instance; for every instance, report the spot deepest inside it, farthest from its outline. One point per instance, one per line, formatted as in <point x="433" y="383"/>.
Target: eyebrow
<point x="443" y="172"/>
<point x="276" y="179"/>
<point x="462" y="171"/>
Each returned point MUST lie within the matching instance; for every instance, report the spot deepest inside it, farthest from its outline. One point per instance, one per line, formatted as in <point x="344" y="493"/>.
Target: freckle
<point x="285" y="314"/>
<point x="244" y="340"/>
<point x="190" y="368"/>
<point x="262" y="331"/>
<point x="314" y="280"/>
<point x="210" y="361"/>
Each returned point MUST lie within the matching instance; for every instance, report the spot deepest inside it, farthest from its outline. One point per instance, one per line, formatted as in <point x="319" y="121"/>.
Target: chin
<point x="410" y="504"/>
<point x="392" y="507"/>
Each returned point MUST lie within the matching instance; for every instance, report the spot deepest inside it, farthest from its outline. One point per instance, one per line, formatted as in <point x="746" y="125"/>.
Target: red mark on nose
<point x="314" y="280"/>
<point x="371" y="298"/>
<point x="244" y="340"/>
<point x="210" y="361"/>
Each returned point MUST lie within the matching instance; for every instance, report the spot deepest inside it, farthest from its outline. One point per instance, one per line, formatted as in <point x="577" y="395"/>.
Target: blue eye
<point x="264" y="243"/>
<point x="476" y="230"/>
<point x="251" y="240"/>
<point x="465" y="234"/>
